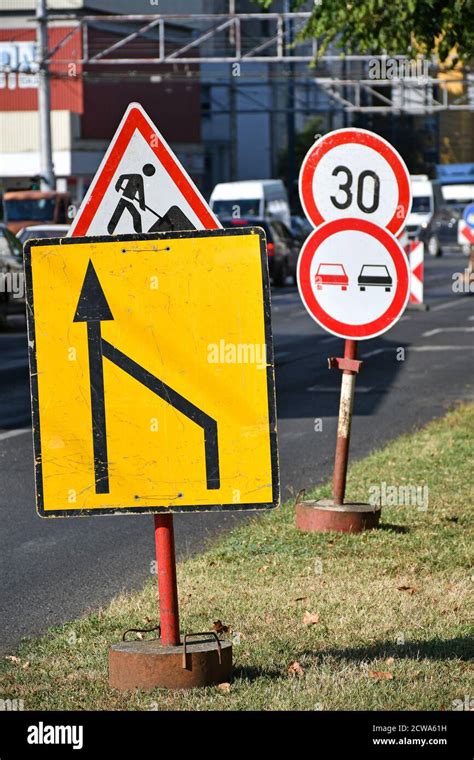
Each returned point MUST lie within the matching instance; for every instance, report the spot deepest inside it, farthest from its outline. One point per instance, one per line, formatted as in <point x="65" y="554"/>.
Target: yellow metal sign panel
<point x="152" y="373"/>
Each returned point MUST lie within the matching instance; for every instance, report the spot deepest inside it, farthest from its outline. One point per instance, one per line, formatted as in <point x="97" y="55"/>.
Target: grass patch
<point x="392" y="604"/>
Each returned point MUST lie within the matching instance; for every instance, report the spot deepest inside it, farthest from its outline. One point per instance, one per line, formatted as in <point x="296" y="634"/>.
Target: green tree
<point x="398" y="26"/>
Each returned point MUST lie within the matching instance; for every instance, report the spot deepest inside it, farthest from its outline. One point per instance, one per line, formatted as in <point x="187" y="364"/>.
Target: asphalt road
<point x="55" y="570"/>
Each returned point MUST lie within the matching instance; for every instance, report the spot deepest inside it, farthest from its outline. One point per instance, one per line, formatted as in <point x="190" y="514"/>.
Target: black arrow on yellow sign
<point x="93" y="309"/>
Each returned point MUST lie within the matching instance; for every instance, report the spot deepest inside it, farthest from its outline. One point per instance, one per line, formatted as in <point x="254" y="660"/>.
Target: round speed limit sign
<point x="355" y="173"/>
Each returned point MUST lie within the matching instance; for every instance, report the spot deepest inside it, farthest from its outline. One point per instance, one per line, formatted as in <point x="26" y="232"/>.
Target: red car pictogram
<point x="331" y="274"/>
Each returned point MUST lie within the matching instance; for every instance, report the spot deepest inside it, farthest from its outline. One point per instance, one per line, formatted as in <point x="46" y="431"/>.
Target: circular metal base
<point x="321" y="516"/>
<point x="149" y="665"/>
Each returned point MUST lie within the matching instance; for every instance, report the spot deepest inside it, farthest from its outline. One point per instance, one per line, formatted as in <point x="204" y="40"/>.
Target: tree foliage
<point x="392" y="26"/>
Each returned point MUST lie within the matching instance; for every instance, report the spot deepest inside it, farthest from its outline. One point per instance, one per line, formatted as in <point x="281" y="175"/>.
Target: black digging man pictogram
<point x="133" y="191"/>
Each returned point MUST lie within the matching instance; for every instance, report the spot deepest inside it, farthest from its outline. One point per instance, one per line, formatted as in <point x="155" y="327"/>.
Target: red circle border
<point x="402" y="291"/>
<point x="359" y="137"/>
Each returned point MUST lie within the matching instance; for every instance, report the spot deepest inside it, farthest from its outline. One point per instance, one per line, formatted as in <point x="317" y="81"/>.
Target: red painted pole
<point x="167" y="584"/>
<point x="344" y="425"/>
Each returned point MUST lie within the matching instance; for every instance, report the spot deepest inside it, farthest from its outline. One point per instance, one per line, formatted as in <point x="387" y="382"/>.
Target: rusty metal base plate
<point x="149" y="665"/>
<point x="321" y="516"/>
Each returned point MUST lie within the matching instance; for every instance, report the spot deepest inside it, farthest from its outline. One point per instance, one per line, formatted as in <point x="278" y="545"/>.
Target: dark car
<point x="282" y="248"/>
<point x="442" y="231"/>
<point x="374" y="275"/>
<point x="12" y="293"/>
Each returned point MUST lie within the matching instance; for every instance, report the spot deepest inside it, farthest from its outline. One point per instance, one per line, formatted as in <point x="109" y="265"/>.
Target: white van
<point x="422" y="206"/>
<point x="263" y="198"/>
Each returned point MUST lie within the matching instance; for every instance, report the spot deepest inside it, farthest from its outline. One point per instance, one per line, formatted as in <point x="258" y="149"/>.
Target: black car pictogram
<point x="374" y="275"/>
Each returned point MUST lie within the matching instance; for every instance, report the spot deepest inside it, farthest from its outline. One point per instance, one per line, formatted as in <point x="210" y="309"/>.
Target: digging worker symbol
<point x="132" y="188"/>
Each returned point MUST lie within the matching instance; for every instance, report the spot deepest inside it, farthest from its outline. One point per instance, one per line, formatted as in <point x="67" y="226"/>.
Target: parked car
<point x="441" y="234"/>
<point x="38" y="231"/>
<point x="282" y="248"/>
<point x="12" y="293"/>
<point x="442" y="231"/>
<point x="374" y="275"/>
<point x="331" y="274"/>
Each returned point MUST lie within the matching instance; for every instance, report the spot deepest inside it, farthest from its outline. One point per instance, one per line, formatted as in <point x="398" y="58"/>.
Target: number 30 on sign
<point x="355" y="173"/>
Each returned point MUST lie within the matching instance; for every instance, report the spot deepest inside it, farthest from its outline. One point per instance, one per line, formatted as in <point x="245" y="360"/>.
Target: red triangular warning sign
<point x="141" y="186"/>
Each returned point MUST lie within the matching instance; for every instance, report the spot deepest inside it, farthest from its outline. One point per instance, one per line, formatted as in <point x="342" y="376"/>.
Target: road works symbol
<point x="94" y="309"/>
<point x="369" y="269"/>
<point x="141" y="186"/>
<point x="134" y="408"/>
<point x="355" y="173"/>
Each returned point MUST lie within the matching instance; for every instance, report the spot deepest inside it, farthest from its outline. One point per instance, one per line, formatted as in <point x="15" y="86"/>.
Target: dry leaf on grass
<point x="263" y="569"/>
<point x="381" y="675"/>
<point x="310" y="618"/>
<point x="389" y="660"/>
<point x="219" y="627"/>
<point x="295" y="669"/>
<point x="410" y="589"/>
<point x="12" y="658"/>
<point x="224" y="687"/>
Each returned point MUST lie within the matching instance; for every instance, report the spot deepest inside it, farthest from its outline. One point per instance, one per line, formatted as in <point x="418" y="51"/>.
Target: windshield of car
<point x="330" y="269"/>
<point x="240" y="206"/>
<point x="421" y="204"/>
<point x="39" y="209"/>
<point x="374" y="270"/>
<point x="300" y="226"/>
<point x="30" y="233"/>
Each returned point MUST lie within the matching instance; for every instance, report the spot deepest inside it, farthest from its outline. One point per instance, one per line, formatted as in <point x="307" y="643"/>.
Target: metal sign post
<point x="346" y="405"/>
<point x="167" y="583"/>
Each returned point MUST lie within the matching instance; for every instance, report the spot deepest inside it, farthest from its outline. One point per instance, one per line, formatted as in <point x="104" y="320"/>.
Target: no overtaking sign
<point x="353" y="275"/>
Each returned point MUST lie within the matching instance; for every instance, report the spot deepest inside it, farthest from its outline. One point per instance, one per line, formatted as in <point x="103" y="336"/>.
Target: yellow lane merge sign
<point x="152" y="373"/>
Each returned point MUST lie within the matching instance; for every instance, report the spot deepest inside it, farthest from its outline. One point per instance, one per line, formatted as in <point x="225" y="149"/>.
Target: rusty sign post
<point x="353" y="278"/>
<point x="346" y="406"/>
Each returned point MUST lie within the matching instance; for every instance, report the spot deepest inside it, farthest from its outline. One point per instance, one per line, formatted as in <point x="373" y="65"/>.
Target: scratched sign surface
<point x="152" y="373"/>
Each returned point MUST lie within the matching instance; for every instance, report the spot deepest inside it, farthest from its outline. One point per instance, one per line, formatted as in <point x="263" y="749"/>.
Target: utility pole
<point x="233" y="135"/>
<point x="44" y="99"/>
<point x="290" y="105"/>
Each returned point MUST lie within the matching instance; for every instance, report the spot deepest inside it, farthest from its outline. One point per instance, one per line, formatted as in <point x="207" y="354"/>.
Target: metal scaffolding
<point x="182" y="41"/>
